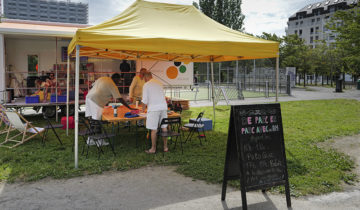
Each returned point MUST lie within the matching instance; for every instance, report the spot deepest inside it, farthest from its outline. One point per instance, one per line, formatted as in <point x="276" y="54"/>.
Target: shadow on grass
<point x="295" y="167"/>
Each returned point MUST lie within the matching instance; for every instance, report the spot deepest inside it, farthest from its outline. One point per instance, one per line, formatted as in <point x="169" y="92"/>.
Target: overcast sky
<point x="260" y="15"/>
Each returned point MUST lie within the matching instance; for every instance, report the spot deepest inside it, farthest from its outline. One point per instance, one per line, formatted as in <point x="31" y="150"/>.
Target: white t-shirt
<point x="153" y="96"/>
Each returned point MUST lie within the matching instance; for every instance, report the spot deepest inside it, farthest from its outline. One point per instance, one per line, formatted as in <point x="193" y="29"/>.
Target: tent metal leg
<point x="213" y="90"/>
<point x="67" y="94"/>
<point x="277" y="78"/>
<point x="77" y="62"/>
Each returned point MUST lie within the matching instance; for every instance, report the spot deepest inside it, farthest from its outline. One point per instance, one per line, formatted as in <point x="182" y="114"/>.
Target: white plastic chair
<point x="25" y="129"/>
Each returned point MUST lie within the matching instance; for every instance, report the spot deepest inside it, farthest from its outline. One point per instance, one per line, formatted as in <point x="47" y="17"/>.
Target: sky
<point x="260" y="15"/>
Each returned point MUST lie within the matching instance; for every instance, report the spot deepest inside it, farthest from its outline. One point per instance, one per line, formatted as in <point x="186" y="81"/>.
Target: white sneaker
<point x="90" y="141"/>
<point x="102" y="142"/>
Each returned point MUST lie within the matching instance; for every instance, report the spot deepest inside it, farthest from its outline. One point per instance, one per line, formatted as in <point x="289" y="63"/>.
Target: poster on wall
<point x="169" y="73"/>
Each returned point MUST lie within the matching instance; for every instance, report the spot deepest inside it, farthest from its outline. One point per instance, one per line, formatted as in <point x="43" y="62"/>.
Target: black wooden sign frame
<point x="255" y="151"/>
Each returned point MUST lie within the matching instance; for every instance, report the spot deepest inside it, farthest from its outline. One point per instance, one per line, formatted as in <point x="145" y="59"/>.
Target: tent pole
<point x="67" y="94"/>
<point x="213" y="89"/>
<point x="77" y="62"/>
<point x="277" y="78"/>
<point x="57" y="80"/>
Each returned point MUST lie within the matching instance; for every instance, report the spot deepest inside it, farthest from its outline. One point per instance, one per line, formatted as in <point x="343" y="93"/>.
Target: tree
<point x="273" y="37"/>
<point x="296" y="54"/>
<point x="207" y="7"/>
<point x="320" y="61"/>
<point x="196" y="5"/>
<point x="235" y="18"/>
<point x="346" y="24"/>
<point x="220" y="12"/>
<point x="227" y="12"/>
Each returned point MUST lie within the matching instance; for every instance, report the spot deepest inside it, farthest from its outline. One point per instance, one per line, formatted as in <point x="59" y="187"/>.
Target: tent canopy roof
<point x="160" y="31"/>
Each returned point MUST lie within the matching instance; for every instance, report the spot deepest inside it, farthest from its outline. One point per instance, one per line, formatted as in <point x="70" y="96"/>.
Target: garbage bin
<point x="338" y="87"/>
<point x="358" y="84"/>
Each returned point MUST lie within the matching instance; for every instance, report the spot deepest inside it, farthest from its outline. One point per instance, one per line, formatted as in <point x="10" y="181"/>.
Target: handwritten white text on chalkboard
<point x="259" y="124"/>
<point x="259" y="129"/>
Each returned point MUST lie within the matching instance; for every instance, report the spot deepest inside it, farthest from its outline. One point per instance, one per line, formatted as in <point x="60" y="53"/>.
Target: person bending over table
<point x="154" y="98"/>
<point x="103" y="90"/>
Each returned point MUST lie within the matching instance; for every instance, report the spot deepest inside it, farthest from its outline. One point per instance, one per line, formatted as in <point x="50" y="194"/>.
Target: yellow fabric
<point x="41" y="95"/>
<point x="160" y="31"/>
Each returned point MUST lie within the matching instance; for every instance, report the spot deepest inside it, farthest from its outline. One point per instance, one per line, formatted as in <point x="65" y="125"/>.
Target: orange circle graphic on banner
<point x="172" y="72"/>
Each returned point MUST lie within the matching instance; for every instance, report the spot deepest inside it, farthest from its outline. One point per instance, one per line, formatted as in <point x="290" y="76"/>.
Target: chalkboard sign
<point x="255" y="149"/>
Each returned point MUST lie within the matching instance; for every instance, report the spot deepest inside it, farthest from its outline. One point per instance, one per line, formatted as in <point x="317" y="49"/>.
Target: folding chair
<point x="173" y="130"/>
<point x="196" y="126"/>
<point x="85" y="132"/>
<point x="16" y="122"/>
<point x="97" y="136"/>
<point x="52" y="127"/>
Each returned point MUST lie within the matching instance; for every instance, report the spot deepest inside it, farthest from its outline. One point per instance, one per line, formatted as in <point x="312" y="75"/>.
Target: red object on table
<point x="135" y="111"/>
<point x="85" y="94"/>
<point x="71" y="122"/>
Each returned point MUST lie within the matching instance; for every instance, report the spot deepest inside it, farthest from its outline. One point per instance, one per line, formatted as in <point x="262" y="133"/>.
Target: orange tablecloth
<point x="108" y="115"/>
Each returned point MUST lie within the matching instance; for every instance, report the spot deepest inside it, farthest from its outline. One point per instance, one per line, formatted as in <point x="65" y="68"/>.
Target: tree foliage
<point x="226" y="12"/>
<point x="207" y="7"/>
<point x="273" y="37"/>
<point x="346" y="24"/>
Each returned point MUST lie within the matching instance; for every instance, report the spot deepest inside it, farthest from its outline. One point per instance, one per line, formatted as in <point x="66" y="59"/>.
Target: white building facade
<point x="63" y="11"/>
<point x="309" y="23"/>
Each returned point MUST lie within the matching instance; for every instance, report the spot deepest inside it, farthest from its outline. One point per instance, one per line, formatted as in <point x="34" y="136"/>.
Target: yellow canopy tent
<point x="165" y="32"/>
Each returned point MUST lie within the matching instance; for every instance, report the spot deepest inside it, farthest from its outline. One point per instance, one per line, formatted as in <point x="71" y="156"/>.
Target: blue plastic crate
<point x="207" y="123"/>
<point x="32" y="99"/>
<point x="59" y="98"/>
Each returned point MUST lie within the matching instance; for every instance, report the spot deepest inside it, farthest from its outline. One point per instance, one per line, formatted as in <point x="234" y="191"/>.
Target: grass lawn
<point x="311" y="170"/>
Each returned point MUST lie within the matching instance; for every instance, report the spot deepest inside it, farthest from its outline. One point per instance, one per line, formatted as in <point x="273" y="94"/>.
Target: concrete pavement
<point x="297" y="94"/>
<point x="153" y="188"/>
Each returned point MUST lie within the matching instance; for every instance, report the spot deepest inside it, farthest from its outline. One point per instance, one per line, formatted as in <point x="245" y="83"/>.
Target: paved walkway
<point x="297" y="94"/>
<point x="152" y="188"/>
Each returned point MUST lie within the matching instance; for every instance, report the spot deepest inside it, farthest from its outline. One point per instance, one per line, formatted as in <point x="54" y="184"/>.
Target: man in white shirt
<point x="154" y="98"/>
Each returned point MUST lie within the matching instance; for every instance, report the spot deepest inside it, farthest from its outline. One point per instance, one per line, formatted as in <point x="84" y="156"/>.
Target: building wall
<point x="310" y="22"/>
<point x="17" y="51"/>
<point x="2" y="69"/>
<point x="45" y="10"/>
<point x="312" y="29"/>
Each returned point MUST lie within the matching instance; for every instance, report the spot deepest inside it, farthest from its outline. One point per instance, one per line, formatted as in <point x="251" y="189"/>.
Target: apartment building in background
<point x="63" y="11"/>
<point x="309" y="23"/>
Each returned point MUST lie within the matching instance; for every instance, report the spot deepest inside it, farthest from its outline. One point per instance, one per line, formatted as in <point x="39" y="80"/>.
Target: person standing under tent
<point x="116" y="78"/>
<point x="124" y="67"/>
<point x="154" y="98"/>
<point x="136" y="87"/>
<point x="103" y="90"/>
